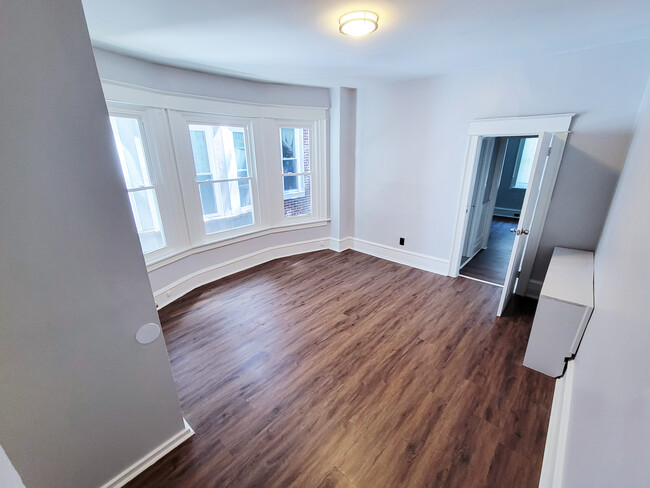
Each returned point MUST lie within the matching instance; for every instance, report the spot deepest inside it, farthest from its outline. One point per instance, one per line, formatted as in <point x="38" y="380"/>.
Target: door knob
<point x="513" y="230"/>
<point x="526" y="231"/>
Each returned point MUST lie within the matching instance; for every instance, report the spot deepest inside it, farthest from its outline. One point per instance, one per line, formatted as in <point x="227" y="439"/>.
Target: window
<point x="223" y="176"/>
<point x="296" y="171"/>
<point x="201" y="172"/>
<point x="524" y="162"/>
<point x="140" y="185"/>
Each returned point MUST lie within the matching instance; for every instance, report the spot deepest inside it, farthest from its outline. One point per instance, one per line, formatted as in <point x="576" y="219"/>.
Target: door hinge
<point x="518" y="274"/>
<point x="549" y="150"/>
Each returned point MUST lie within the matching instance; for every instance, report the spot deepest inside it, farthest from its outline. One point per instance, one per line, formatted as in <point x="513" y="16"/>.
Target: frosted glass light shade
<point x="358" y="23"/>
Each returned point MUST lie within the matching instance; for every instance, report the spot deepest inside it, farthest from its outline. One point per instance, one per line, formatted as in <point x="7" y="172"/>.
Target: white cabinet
<point x="565" y="306"/>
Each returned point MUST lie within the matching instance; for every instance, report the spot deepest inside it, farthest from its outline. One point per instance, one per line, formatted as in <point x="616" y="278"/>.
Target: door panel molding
<point x="543" y="203"/>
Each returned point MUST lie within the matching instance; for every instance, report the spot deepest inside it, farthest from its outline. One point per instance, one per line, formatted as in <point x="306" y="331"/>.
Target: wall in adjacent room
<point x="412" y="142"/>
<point x="609" y="424"/>
<point x="80" y="399"/>
<point x="509" y="199"/>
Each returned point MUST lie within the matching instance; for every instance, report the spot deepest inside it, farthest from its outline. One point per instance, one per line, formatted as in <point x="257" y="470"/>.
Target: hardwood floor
<point x="348" y="371"/>
<point x="491" y="264"/>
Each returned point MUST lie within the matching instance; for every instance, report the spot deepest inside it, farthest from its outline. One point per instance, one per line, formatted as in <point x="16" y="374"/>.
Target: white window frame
<point x="161" y="175"/>
<point x="172" y="141"/>
<point x="299" y="156"/>
<point x="317" y="164"/>
<point x="520" y="153"/>
<point x="180" y="128"/>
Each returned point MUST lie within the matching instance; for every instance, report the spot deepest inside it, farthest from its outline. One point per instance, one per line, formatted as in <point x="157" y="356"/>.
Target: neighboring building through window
<point x="524" y="162"/>
<point x="296" y="171"/>
<point x="127" y="132"/>
<point x="223" y="176"/>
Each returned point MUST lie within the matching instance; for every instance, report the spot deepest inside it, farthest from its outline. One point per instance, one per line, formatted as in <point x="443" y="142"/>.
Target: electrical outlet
<point x="401" y="241"/>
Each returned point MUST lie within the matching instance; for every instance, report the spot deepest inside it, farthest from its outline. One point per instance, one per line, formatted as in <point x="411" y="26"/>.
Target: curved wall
<point x="198" y="266"/>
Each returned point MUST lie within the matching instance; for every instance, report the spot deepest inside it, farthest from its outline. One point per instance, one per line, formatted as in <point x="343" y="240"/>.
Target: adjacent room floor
<point x="345" y="370"/>
<point x="491" y="264"/>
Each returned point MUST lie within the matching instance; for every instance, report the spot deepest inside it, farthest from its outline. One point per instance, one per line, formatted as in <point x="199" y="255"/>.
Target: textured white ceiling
<point x="298" y="41"/>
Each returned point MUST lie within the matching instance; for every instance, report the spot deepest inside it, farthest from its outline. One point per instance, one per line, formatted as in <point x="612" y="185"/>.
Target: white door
<point x="525" y="220"/>
<point x="490" y="196"/>
<point x="476" y="219"/>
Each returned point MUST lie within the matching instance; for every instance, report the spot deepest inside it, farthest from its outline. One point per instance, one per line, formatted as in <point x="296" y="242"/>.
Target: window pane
<point x="287" y="137"/>
<point x="297" y="202"/>
<point x="525" y="162"/>
<point x="219" y="152"/>
<point x="208" y="200"/>
<point x="144" y="205"/>
<point x="226" y="205"/>
<point x="130" y="149"/>
<point x="290" y="166"/>
<point x="200" y="153"/>
<point x="240" y="154"/>
<point x="245" y="193"/>
<point x="291" y="184"/>
<point x="296" y="159"/>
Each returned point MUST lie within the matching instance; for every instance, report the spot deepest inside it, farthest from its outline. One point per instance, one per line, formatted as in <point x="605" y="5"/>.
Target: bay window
<point x="198" y="178"/>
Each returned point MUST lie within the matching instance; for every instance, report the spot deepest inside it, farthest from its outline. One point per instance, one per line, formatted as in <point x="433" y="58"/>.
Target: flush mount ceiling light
<point x="358" y="23"/>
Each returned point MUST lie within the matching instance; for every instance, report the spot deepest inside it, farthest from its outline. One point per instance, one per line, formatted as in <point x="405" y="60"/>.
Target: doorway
<point x="477" y="203"/>
<point x="498" y="196"/>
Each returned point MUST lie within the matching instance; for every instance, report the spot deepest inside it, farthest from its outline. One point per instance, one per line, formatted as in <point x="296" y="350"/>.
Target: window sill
<point x="175" y="256"/>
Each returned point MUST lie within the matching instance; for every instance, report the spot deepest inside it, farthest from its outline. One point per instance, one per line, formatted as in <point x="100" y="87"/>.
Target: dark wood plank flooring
<point x="491" y="264"/>
<point x="348" y="371"/>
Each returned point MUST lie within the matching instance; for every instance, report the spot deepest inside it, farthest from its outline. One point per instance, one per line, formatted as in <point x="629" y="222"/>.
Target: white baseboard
<point x="556" y="437"/>
<point x="138" y="467"/>
<point x="534" y="289"/>
<point x="409" y="258"/>
<point x="175" y="290"/>
<point x="507" y="212"/>
<point x="340" y="245"/>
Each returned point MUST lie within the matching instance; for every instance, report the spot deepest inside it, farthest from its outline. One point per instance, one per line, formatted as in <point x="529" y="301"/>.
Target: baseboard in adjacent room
<point x="513" y="213"/>
<point x="139" y="466"/>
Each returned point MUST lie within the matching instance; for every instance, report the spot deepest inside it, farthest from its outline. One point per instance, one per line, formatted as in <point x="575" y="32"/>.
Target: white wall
<point x="170" y="281"/>
<point x="80" y="399"/>
<point x="609" y="429"/>
<point x="412" y="139"/>
<point x="342" y="160"/>
<point x="132" y="71"/>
